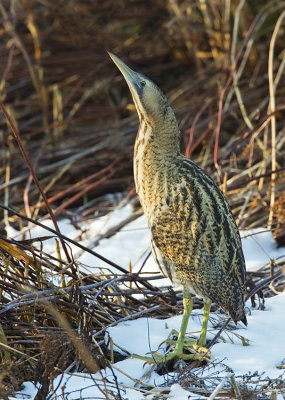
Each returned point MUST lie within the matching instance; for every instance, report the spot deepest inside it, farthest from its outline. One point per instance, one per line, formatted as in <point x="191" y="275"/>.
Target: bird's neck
<point x="157" y="146"/>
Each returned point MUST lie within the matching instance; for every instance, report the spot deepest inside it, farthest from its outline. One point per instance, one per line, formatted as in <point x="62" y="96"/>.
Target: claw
<point x="196" y="352"/>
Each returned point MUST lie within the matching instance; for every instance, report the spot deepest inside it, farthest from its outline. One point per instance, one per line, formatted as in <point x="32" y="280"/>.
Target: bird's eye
<point x="142" y="83"/>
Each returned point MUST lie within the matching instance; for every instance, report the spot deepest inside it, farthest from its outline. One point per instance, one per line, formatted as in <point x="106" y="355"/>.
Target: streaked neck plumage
<point x="156" y="148"/>
<point x="157" y="143"/>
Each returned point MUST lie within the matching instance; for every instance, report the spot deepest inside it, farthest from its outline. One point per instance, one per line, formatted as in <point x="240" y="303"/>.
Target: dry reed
<point x="221" y="65"/>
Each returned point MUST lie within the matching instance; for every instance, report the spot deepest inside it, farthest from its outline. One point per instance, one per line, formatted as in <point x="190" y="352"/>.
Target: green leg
<point x="187" y="309"/>
<point x="178" y="350"/>
<point x="202" y="338"/>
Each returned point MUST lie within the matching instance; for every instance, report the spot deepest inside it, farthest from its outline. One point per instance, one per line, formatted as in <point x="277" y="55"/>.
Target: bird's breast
<point x="151" y="182"/>
<point x="150" y="169"/>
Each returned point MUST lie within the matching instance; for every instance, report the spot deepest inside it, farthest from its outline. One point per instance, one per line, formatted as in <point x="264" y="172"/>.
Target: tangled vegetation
<point x="67" y="131"/>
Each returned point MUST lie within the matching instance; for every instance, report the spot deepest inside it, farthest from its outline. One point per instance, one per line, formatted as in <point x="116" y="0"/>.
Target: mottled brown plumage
<point x="195" y="240"/>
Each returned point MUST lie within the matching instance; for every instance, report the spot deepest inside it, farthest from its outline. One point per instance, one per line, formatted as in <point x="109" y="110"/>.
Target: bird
<point x="194" y="237"/>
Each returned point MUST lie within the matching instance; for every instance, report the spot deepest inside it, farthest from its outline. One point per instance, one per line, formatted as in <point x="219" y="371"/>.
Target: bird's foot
<point x="157" y="358"/>
<point x="194" y="351"/>
<point x="190" y="344"/>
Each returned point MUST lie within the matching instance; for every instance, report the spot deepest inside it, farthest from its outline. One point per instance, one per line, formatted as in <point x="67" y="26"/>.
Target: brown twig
<point x="27" y="159"/>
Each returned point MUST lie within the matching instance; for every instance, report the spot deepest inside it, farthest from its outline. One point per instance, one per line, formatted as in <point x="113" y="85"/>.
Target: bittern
<point x="194" y="237"/>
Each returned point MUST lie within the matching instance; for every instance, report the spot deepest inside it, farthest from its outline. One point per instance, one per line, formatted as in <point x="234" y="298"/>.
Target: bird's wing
<point x="195" y="219"/>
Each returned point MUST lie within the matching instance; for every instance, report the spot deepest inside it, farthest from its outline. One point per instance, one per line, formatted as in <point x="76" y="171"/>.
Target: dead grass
<point x="76" y="119"/>
<point x="222" y="68"/>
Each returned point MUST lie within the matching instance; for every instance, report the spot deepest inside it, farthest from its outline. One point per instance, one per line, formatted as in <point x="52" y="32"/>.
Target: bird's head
<point x="151" y="104"/>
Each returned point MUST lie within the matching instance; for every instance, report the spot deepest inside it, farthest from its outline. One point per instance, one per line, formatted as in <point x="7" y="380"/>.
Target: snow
<point x="128" y="245"/>
<point x="265" y="331"/>
<point x="178" y="393"/>
<point x="149" y="333"/>
<point x="259" y="247"/>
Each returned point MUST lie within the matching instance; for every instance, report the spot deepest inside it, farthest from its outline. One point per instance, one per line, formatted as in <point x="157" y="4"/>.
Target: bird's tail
<point x="239" y="315"/>
<point x="232" y="301"/>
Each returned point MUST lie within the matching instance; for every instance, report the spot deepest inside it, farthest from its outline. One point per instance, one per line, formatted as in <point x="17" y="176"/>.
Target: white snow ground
<point x="265" y="331"/>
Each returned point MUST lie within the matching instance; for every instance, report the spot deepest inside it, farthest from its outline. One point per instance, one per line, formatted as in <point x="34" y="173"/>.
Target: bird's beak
<point x="130" y="76"/>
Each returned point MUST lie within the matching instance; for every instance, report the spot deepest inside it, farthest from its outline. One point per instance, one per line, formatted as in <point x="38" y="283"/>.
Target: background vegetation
<point x="221" y="65"/>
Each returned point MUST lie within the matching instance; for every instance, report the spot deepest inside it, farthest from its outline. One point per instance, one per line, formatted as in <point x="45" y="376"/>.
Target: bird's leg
<point x="198" y="345"/>
<point x="187" y="309"/>
<point x="178" y="350"/>
<point x="202" y="338"/>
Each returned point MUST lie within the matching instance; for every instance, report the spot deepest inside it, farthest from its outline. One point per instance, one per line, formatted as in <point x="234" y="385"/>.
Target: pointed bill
<point x="130" y="76"/>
